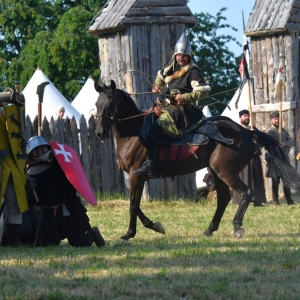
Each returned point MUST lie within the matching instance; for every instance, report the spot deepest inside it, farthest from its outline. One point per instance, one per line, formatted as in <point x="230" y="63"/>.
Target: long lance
<point x="40" y="93"/>
<point x="281" y="55"/>
<point x="248" y="80"/>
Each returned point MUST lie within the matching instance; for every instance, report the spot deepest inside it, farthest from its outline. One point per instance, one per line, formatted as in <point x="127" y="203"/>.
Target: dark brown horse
<point x="117" y="111"/>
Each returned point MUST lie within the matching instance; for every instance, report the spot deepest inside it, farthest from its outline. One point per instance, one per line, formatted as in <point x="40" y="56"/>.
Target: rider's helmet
<point x="183" y="45"/>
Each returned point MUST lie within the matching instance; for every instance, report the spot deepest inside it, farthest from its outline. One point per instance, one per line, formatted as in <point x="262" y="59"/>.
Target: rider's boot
<point x="147" y="169"/>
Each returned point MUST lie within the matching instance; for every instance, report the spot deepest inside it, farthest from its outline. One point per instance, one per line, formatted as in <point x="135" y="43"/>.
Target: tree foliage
<point x="52" y="35"/>
<point x="211" y="53"/>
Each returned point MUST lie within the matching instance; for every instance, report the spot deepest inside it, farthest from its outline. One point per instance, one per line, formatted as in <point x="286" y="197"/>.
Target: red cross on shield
<point x="72" y="167"/>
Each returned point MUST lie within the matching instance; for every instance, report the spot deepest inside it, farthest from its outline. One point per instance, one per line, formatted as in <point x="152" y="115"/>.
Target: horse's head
<point x="106" y="109"/>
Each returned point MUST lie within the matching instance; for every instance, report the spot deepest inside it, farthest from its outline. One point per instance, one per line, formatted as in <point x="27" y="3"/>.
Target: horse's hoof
<point x="127" y="236"/>
<point x="239" y="233"/>
<point x="157" y="226"/>
<point x="207" y="233"/>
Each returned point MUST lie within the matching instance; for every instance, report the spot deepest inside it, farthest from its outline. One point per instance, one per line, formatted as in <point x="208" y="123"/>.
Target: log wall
<point x="100" y="161"/>
<point x="266" y="53"/>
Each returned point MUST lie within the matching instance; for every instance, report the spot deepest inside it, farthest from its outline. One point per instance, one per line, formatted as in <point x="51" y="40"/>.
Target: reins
<point x="146" y="113"/>
<point x="142" y="93"/>
<point x="120" y="120"/>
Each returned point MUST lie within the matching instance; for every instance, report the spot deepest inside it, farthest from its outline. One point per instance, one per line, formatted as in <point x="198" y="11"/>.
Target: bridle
<point x="115" y="113"/>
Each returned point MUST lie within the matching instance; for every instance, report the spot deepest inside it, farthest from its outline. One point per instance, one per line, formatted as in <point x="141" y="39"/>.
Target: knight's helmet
<point x="34" y="142"/>
<point x="183" y="45"/>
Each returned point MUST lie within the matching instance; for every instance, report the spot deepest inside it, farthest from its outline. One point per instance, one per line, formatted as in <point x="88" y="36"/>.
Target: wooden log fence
<point x="100" y="162"/>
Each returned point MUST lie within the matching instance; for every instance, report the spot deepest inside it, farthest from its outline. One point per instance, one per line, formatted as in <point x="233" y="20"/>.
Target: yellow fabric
<point x="167" y="124"/>
<point x="15" y="162"/>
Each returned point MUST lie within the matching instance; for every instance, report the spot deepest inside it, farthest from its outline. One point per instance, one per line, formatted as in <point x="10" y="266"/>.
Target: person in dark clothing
<point x="286" y="142"/>
<point x="62" y="215"/>
<point x="252" y="174"/>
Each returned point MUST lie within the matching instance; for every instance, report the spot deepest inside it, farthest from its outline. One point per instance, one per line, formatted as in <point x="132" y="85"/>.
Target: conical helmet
<point x="183" y="45"/>
<point x="34" y="142"/>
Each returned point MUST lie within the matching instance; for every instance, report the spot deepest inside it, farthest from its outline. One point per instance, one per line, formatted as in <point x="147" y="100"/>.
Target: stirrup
<point x="145" y="170"/>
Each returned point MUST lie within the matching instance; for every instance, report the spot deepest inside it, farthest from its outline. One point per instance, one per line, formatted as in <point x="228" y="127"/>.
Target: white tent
<point x="85" y="100"/>
<point x="243" y="103"/>
<point x="206" y="111"/>
<point x="201" y="173"/>
<point x="52" y="98"/>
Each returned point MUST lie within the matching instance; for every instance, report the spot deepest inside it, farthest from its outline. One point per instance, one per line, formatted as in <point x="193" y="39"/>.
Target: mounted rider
<point x="184" y="85"/>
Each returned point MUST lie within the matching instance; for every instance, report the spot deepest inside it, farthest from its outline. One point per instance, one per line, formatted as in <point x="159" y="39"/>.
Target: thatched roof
<point x="274" y="16"/>
<point x="117" y="14"/>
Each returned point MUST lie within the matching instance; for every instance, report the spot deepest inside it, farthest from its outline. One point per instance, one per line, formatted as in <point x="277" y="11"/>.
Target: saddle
<point x="160" y="130"/>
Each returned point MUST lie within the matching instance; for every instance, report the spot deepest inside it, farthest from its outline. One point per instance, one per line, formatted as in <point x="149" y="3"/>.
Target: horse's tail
<point x="286" y="171"/>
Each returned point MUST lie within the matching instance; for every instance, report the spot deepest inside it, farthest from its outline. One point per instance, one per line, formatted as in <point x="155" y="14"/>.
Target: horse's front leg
<point x="157" y="226"/>
<point x="223" y="198"/>
<point x="136" y="190"/>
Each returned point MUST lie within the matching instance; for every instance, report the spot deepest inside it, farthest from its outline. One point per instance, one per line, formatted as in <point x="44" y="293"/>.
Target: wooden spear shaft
<point x="250" y="105"/>
<point x="39" y="118"/>
<point x="281" y="55"/>
<point x="280" y="112"/>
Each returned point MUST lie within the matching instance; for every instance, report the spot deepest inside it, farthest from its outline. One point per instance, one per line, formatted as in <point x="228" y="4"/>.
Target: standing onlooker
<point x="12" y="168"/>
<point x="60" y="112"/>
<point x="286" y="142"/>
<point x="93" y="113"/>
<point x="252" y="174"/>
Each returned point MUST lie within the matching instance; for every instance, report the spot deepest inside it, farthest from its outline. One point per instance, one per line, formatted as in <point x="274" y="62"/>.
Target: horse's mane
<point x="130" y="104"/>
<point x="128" y="108"/>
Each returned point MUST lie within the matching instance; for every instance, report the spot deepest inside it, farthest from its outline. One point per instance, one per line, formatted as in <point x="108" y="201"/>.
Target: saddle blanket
<point x="185" y="152"/>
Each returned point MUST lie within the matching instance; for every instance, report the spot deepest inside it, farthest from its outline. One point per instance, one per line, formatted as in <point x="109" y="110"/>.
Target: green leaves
<point x="211" y="53"/>
<point x="51" y="35"/>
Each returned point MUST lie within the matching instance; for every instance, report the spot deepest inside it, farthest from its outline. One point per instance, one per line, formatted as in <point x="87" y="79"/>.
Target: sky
<point x="233" y="15"/>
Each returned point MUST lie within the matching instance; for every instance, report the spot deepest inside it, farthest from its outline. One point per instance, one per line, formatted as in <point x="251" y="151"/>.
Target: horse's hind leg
<point x="239" y="216"/>
<point x="246" y="197"/>
<point x="223" y="198"/>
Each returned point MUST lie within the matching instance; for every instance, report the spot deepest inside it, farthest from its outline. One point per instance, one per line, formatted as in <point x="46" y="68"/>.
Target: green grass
<point x="182" y="264"/>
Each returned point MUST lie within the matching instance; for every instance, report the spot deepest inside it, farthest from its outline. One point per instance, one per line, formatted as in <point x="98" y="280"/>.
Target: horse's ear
<point x="112" y="85"/>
